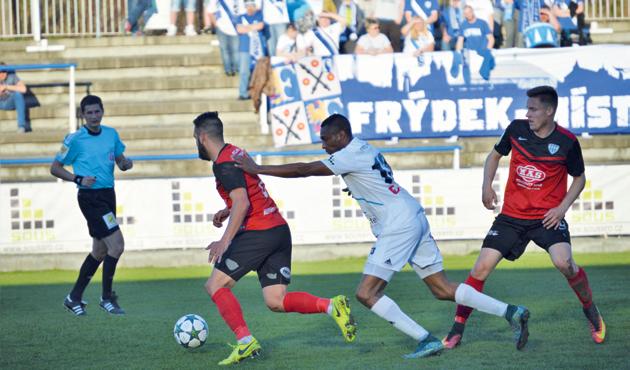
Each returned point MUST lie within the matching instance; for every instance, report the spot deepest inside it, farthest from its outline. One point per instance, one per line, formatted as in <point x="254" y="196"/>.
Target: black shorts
<point x="99" y="209"/>
<point x="510" y="235"/>
<point x="268" y="252"/>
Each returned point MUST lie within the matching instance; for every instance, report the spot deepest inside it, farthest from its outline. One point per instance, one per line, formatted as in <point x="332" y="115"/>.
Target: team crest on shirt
<point x="553" y="148"/>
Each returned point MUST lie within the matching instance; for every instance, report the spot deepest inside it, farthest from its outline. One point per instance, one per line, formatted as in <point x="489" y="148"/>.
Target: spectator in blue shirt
<point x="12" y="91"/>
<point x="452" y="18"/>
<point x="475" y="33"/>
<point x="529" y="13"/>
<point x="251" y="44"/>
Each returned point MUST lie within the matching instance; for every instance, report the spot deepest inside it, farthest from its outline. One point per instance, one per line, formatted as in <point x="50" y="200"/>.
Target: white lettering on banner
<point x="387" y="117"/>
<point x="577" y="111"/>
<point x="359" y="115"/>
<point x="415" y="112"/>
<point x="562" y="112"/>
<point x="598" y="113"/>
<point x="497" y="112"/>
<point x="468" y="115"/>
<point x="444" y="113"/>
<point x="621" y="104"/>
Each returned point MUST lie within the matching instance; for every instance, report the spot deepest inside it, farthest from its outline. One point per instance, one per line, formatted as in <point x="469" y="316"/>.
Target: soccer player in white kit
<point x="402" y="234"/>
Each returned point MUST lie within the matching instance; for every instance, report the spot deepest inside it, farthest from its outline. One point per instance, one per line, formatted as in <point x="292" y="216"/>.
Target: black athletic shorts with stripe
<point x="99" y="209"/>
<point x="510" y="235"/>
<point x="268" y="252"/>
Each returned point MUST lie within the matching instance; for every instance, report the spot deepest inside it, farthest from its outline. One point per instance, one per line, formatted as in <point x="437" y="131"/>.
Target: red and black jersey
<point x="538" y="169"/>
<point x="263" y="213"/>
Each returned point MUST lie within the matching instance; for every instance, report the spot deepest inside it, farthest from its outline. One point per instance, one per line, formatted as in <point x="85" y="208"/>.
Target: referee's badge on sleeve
<point x="63" y="151"/>
<point x="110" y="220"/>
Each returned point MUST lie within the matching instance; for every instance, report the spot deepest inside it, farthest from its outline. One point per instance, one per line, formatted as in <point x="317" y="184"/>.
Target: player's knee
<point x="565" y="267"/>
<point x="481" y="271"/>
<point x="443" y="293"/>
<point x="99" y="254"/>
<point x="364" y="296"/>
<point x="275" y="305"/>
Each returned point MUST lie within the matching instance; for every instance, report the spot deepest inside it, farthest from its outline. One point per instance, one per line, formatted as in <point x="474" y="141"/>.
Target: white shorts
<point x="413" y="245"/>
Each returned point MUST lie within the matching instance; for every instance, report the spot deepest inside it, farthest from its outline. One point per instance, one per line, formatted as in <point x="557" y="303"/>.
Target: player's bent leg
<point x="274" y="296"/>
<point x="343" y="318"/>
<point x="115" y="244"/>
<point x="485" y="264"/>
<point x="562" y="258"/>
<point x="518" y="317"/>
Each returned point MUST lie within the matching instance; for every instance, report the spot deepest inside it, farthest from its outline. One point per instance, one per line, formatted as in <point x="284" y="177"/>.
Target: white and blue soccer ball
<point x="191" y="331"/>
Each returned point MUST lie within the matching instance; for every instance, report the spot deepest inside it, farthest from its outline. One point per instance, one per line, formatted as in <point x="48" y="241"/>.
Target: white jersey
<point x="388" y="206"/>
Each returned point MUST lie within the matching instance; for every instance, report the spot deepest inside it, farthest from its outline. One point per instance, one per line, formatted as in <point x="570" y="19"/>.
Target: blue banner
<point x="443" y="94"/>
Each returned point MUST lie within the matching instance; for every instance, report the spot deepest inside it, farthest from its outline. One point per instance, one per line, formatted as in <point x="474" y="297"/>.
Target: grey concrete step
<point x="611" y="38"/>
<point x="120" y="73"/>
<point x="108" y="41"/>
<point x="617" y="26"/>
<point x="136" y="109"/>
<point x="233" y="121"/>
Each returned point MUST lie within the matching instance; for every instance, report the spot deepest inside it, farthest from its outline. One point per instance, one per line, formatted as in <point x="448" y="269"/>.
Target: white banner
<point x="177" y="213"/>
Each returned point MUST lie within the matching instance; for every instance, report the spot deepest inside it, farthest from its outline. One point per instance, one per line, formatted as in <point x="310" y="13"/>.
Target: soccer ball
<point x="191" y="331"/>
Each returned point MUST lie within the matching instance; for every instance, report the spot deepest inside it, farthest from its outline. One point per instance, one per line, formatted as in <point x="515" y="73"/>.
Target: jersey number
<point x="380" y="164"/>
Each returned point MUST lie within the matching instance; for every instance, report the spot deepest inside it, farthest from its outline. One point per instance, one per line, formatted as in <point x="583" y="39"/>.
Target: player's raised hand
<point x="553" y="218"/>
<point x="220" y="216"/>
<point x="246" y="163"/>
<point x="216" y="250"/>
<point x="489" y="198"/>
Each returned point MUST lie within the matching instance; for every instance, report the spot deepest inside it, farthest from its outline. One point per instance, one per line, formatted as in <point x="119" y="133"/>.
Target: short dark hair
<point x="546" y="94"/>
<point x="338" y="123"/>
<point x="89" y="100"/>
<point x="291" y="26"/>
<point x="210" y="123"/>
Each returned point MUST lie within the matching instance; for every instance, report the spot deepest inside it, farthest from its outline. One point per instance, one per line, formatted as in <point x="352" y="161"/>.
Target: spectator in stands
<point x="373" y="42"/>
<point x="291" y="45"/>
<point x="324" y="39"/>
<point x="544" y="33"/>
<point x="452" y="18"/>
<point x="251" y="44"/>
<point x="476" y="34"/>
<point x="355" y="18"/>
<point x="425" y="9"/>
<point x="547" y="16"/>
<point x="418" y="37"/>
<point x="209" y="21"/>
<point x="225" y="13"/>
<point x="504" y="17"/>
<point x="483" y="10"/>
<point x="12" y="91"/>
<point x="189" y="7"/>
<point x="137" y="9"/>
<point x="390" y="14"/>
<point x="528" y="14"/>
<point x="276" y="18"/>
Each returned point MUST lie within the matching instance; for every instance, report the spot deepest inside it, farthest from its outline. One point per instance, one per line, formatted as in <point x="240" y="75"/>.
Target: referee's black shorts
<point x="99" y="209"/>
<point x="510" y="235"/>
<point x="268" y="252"/>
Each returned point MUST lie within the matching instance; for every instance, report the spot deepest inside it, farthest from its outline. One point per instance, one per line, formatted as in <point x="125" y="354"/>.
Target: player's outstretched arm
<point x="488" y="195"/>
<point x="554" y="216"/>
<point x="316" y="168"/>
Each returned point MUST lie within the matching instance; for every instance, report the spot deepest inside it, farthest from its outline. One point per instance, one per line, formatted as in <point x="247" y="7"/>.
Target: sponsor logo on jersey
<point x="553" y="148"/>
<point x="530" y="174"/>
<point x="269" y="211"/>
<point x="110" y="220"/>
<point x="237" y="152"/>
<point x="493" y="233"/>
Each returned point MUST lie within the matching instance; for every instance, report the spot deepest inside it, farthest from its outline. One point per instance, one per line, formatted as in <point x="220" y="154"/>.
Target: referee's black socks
<point x="88" y="268"/>
<point x="109" y="269"/>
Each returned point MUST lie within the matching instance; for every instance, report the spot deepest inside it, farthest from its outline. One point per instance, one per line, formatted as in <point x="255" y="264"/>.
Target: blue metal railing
<point x="289" y="153"/>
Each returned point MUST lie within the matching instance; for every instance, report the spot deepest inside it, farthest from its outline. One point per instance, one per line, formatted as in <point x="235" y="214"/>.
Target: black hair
<point x="338" y="123"/>
<point x="210" y="123"/>
<point x="546" y="94"/>
<point x="291" y="26"/>
<point x="89" y="100"/>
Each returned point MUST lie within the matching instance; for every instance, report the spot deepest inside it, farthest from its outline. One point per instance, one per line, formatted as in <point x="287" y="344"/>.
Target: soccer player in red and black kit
<point x="257" y="238"/>
<point x="536" y="200"/>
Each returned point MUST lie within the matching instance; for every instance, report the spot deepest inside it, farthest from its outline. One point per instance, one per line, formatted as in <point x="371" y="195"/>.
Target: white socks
<point x="389" y="310"/>
<point x="468" y="296"/>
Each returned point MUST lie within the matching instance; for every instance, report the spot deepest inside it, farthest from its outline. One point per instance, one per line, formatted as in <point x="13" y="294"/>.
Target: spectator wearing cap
<point x="373" y="42"/>
<point x="12" y="91"/>
<point x="251" y="46"/>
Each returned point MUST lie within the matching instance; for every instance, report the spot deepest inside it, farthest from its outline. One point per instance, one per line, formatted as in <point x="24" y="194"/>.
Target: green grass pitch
<point x="37" y="333"/>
